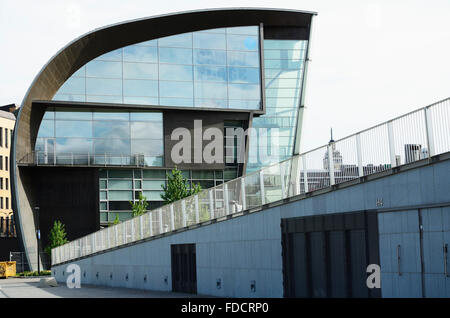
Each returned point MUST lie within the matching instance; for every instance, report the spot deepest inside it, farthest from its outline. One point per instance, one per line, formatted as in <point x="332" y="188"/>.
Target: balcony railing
<point x="417" y="135"/>
<point x="43" y="158"/>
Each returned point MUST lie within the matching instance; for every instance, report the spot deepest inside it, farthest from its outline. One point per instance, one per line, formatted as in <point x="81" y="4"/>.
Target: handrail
<point x="417" y="135"/>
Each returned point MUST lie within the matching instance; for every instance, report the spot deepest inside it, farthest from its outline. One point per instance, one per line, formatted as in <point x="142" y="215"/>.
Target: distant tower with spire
<point x="337" y="157"/>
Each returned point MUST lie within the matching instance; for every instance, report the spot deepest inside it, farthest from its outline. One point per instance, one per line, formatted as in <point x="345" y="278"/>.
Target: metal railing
<point x="417" y="135"/>
<point x="47" y="158"/>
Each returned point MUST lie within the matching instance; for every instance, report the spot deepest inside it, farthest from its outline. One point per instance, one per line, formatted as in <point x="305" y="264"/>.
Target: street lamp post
<point x="38" y="236"/>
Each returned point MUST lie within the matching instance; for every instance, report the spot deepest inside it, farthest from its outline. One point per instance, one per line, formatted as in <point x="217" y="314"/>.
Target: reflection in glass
<point x="135" y="53"/>
<point x="152" y="130"/>
<point x="104" y="69"/>
<point x="73" y="128"/>
<point x="140" y="88"/>
<point x="104" y="129"/>
<point x="103" y="86"/>
<point x="175" y="55"/>
<point x="47" y="129"/>
<point x="210" y="41"/>
<point x="140" y="71"/>
<point x="124" y="75"/>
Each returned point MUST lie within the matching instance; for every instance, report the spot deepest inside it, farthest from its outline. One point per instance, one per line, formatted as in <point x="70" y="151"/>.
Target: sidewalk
<point x="28" y="288"/>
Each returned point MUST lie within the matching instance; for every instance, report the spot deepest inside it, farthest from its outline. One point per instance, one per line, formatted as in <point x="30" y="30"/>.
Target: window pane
<point x="104" y="69"/>
<point x="175" y="72"/>
<point x="209" y="41"/>
<point x="135" y="53"/>
<point x="120" y="195"/>
<point x="115" y="55"/>
<point x="47" y="129"/>
<point x="175" y="55"/>
<point x="187" y="102"/>
<point x="74" y="85"/>
<point x="73" y="145"/>
<point x="147" y="116"/>
<point x="120" y="184"/>
<point x="179" y="40"/>
<point x="210" y="73"/>
<point x="70" y="97"/>
<point x="104" y="99"/>
<point x="76" y="115"/>
<point x="103" y="184"/>
<point x="251" y="30"/>
<point x="243" y="75"/>
<point x="140" y="88"/>
<point x="104" y="129"/>
<point x="111" y="115"/>
<point x="210" y="90"/>
<point x="154" y="174"/>
<point x="153" y="195"/>
<point x="101" y="86"/>
<point x="211" y="103"/>
<point x="150" y="130"/>
<point x="73" y="128"/>
<point x="103" y="195"/>
<point x="148" y="147"/>
<point x="141" y="100"/>
<point x="243" y="58"/>
<point x="112" y="173"/>
<point x="153" y="184"/>
<point x="140" y="71"/>
<point x="112" y="146"/>
<point x="210" y="57"/>
<point x="202" y="174"/>
<point x="176" y="89"/>
<point x="243" y="91"/>
<point x="242" y="42"/>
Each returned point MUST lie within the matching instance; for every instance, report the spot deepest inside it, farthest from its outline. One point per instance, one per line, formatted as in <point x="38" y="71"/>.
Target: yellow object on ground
<point x="7" y="269"/>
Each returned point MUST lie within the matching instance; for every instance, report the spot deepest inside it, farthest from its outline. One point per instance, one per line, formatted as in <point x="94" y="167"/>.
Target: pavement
<point x="29" y="288"/>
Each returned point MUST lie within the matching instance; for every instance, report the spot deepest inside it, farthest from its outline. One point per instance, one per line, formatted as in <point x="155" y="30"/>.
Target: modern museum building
<point x="101" y="121"/>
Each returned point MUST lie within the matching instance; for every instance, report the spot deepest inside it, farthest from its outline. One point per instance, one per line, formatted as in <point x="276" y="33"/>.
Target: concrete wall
<point x="236" y="252"/>
<point x="249" y="248"/>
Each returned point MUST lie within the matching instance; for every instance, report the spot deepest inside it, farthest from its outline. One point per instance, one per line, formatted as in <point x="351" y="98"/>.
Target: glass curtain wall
<point x="283" y="73"/>
<point x="100" y="137"/>
<point x="118" y="187"/>
<point x="218" y="68"/>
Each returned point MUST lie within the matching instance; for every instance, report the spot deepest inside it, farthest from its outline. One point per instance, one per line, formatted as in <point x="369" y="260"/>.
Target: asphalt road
<point x="28" y="288"/>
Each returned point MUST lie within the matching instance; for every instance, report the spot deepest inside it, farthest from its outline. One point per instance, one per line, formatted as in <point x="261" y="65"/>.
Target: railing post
<point x="282" y="181"/>
<point x="391" y="144"/>
<point x="172" y="218"/>
<point x="244" y="201"/>
<point x="116" y="234"/>
<point x="183" y="212"/>
<point x="294" y="184"/>
<point x="429" y="132"/>
<point x="261" y="187"/>
<point x="141" y="226"/>
<point x="124" y="231"/>
<point x="93" y="247"/>
<point x="133" y="231"/>
<point x="211" y="205"/>
<point x="359" y="155"/>
<point x="197" y="214"/>
<point x="160" y="221"/>
<point x="331" y="163"/>
<point x="150" y="221"/>
<point x="225" y="199"/>
<point x="305" y="174"/>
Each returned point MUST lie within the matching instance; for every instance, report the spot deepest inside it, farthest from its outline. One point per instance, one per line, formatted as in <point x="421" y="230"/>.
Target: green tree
<point x="140" y="206"/>
<point x="57" y="237"/>
<point x="116" y="220"/>
<point x="178" y="187"/>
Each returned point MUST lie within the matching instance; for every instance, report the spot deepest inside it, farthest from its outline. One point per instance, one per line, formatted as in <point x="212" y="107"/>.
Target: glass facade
<point x="118" y="187"/>
<point x="283" y="72"/>
<point x="100" y="137"/>
<point x="218" y="68"/>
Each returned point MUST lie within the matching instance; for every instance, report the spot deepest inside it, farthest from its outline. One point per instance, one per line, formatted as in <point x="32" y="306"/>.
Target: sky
<point x="370" y="60"/>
